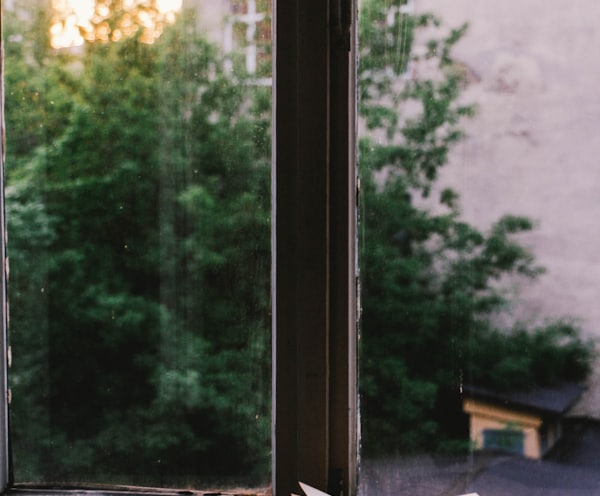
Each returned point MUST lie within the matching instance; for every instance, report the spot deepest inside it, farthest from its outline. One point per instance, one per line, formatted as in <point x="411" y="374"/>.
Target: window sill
<point x="25" y="489"/>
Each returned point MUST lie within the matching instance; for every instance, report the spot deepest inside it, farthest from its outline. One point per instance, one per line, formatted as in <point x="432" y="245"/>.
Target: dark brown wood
<point x="301" y="246"/>
<point x="314" y="268"/>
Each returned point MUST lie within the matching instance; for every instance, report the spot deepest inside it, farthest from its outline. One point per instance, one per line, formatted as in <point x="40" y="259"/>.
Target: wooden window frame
<point x="314" y="247"/>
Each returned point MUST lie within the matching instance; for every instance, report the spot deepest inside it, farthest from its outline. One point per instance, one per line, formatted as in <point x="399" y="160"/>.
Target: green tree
<point x="148" y="208"/>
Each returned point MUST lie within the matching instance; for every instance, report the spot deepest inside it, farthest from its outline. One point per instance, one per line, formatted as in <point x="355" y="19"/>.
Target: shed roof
<point x="554" y="400"/>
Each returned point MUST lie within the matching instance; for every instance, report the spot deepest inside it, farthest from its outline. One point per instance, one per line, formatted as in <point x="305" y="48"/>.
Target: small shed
<point x="528" y="422"/>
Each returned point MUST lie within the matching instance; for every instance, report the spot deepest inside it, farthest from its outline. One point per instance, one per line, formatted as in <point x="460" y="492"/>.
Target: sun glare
<point x="72" y="20"/>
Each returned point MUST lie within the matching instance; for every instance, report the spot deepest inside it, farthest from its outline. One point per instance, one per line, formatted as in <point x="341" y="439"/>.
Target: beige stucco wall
<point x="209" y="16"/>
<point x="533" y="147"/>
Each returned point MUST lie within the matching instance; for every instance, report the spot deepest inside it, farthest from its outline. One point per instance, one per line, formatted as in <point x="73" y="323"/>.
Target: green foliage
<point x="545" y="355"/>
<point x="433" y="285"/>
<point x="140" y="245"/>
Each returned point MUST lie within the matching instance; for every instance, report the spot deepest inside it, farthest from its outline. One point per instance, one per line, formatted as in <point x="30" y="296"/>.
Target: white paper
<point x="311" y="491"/>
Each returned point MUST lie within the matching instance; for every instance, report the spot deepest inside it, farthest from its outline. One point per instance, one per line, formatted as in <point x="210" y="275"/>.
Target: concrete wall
<point x="533" y="147"/>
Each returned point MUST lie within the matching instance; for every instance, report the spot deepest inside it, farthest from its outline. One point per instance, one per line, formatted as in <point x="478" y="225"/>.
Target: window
<point x="439" y="209"/>
<point x="314" y="250"/>
<point x="504" y="439"/>
<point x="314" y="274"/>
<point x="141" y="255"/>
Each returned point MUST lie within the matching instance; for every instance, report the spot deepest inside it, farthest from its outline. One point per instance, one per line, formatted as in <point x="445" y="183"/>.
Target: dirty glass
<point x="479" y="197"/>
<point x="138" y="211"/>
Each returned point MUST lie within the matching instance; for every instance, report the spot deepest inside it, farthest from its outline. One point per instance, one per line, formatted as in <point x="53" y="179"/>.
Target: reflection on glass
<point x="138" y="215"/>
<point x="477" y="159"/>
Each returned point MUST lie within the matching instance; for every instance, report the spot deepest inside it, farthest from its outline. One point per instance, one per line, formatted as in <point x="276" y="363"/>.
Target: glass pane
<point x="138" y="205"/>
<point x="479" y="194"/>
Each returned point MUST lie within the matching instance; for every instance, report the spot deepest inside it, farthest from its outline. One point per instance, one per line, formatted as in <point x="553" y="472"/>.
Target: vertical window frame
<point x="314" y="247"/>
<point x="5" y="473"/>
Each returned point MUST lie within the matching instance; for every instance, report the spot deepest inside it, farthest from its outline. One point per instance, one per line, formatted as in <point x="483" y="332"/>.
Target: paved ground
<point x="520" y="477"/>
<point x="572" y="470"/>
<point x="416" y="476"/>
